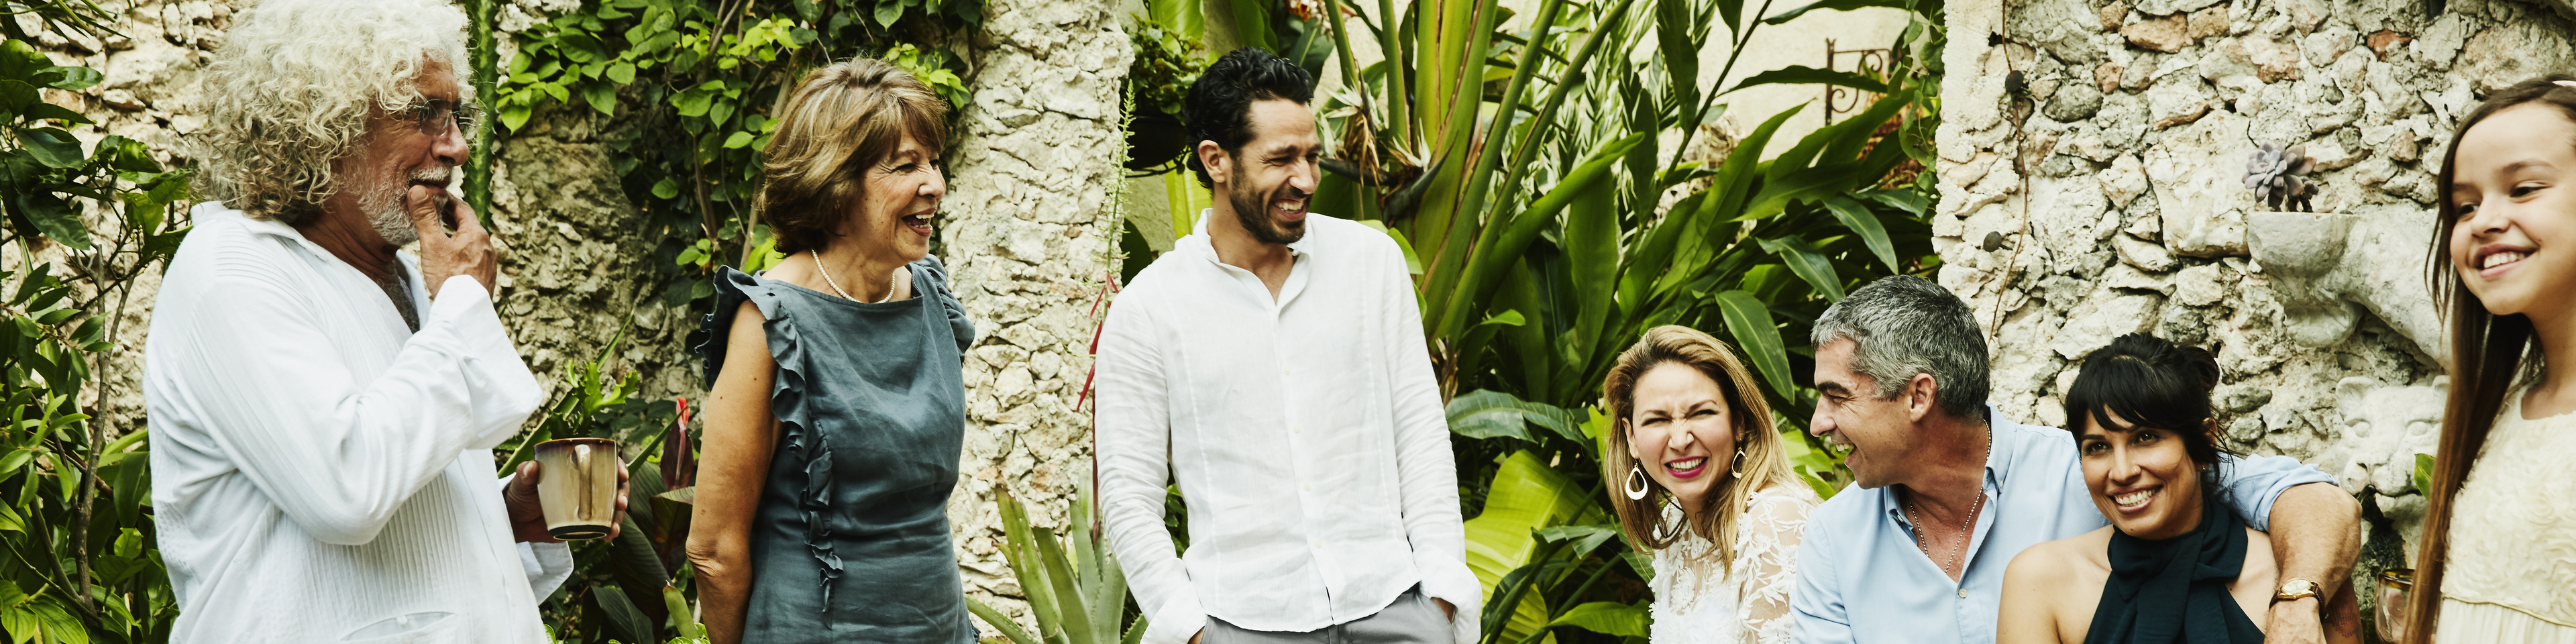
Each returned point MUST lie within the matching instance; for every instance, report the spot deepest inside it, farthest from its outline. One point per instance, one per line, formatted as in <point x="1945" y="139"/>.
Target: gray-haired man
<point x="1945" y="481"/>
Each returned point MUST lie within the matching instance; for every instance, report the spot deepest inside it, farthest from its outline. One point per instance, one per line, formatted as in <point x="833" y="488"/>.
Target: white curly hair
<point x="292" y="89"/>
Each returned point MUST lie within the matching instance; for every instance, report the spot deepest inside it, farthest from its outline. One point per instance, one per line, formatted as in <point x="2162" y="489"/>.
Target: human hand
<point x="1447" y="609"/>
<point x="528" y="514"/>
<point x="468" y="251"/>
<point x="2294" y="621"/>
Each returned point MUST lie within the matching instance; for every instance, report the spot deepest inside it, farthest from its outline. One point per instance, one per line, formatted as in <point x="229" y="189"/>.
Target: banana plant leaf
<point x="1526" y="496"/>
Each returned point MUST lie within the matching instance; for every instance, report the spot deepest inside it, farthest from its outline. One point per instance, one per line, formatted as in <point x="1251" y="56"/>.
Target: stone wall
<point x="1027" y="230"/>
<point x="2103" y="196"/>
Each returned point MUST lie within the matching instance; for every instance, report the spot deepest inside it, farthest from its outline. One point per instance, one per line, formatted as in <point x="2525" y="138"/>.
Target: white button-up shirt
<point x="320" y="472"/>
<point x="1306" y="433"/>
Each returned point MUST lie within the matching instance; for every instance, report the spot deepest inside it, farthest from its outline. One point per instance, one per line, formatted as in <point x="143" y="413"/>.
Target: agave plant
<point x="1076" y="592"/>
<point x="2278" y="177"/>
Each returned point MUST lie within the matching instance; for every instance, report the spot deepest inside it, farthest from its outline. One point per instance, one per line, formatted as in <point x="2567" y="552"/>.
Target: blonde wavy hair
<point x="293" y="87"/>
<point x="1765" y="463"/>
<point x="841" y="119"/>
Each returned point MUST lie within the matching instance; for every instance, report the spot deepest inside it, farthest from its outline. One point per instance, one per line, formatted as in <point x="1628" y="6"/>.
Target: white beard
<point x="382" y="200"/>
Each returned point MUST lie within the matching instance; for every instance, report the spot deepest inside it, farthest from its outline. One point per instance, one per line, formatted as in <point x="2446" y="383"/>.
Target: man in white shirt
<point x="1273" y="364"/>
<point x="323" y="406"/>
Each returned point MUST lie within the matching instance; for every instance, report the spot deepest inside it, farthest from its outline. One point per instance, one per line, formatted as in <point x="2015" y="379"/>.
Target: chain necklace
<point x="1966" y="525"/>
<point x="836" y="286"/>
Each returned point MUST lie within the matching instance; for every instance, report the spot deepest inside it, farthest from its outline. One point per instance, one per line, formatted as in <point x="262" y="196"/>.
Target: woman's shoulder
<point x="1782" y="500"/>
<point x="2062" y="560"/>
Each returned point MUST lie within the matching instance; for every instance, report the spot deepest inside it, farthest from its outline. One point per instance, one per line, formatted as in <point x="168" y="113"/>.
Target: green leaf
<point x="16" y="96"/>
<point x="53" y="147"/>
<point x="738" y="140"/>
<point x="602" y="97"/>
<point x="1803" y="75"/>
<point x="1862" y="222"/>
<point x="515" y="115"/>
<point x="1758" y="337"/>
<point x="1010" y="629"/>
<point x="2423" y="473"/>
<point x="1489" y="414"/>
<point x="693" y="102"/>
<point x="1927" y="8"/>
<point x="1607" y="618"/>
<point x="625" y="621"/>
<point x="75" y="78"/>
<point x="623" y="73"/>
<point x="887" y="13"/>
<point x="42" y="111"/>
<point x="1809" y="265"/>
<point x="55" y="217"/>
<point x="666" y="189"/>
<point x="1526" y="495"/>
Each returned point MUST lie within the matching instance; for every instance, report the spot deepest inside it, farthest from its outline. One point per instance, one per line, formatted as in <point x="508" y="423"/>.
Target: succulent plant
<point x="2279" y="179"/>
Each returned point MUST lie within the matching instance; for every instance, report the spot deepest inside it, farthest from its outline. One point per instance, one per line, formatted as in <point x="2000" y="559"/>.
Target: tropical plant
<point x="1076" y="592"/>
<point x="635" y="587"/>
<point x="78" y="224"/>
<point x="1551" y="231"/>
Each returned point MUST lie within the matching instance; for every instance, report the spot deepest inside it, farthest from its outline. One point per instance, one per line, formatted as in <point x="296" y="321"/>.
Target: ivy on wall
<point x="697" y="81"/>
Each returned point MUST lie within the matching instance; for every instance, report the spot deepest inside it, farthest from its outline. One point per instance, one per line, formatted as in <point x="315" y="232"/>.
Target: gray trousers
<point x="1412" y="619"/>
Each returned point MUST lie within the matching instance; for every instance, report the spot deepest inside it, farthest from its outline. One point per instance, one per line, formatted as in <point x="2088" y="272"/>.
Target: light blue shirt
<point x="1861" y="578"/>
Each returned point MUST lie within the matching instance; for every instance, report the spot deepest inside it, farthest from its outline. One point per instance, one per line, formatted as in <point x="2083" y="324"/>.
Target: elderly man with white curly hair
<point x="322" y="404"/>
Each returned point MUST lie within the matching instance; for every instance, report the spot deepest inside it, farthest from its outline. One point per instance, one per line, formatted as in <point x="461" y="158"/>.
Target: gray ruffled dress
<point x="850" y="542"/>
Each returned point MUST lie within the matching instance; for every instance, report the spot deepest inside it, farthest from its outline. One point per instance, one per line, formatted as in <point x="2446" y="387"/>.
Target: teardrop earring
<point x="1737" y="468"/>
<point x="1636" y="487"/>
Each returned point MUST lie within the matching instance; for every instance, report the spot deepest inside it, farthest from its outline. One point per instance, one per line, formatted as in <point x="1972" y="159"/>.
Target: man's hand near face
<point x="468" y="251"/>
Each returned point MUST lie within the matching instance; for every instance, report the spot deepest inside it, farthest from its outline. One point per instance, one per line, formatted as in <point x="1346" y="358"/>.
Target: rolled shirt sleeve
<point x="2254" y="483"/>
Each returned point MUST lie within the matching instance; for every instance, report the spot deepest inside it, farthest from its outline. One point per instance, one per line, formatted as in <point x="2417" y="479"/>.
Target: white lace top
<point x="1697" y="601"/>
<point x="2513" y="532"/>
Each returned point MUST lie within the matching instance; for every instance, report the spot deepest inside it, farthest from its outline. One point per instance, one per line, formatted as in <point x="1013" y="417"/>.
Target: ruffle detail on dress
<point x="929" y="271"/>
<point x="786" y="403"/>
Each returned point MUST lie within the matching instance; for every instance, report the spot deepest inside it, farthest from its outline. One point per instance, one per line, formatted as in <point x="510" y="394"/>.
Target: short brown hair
<point x="1766" y="463"/>
<point x="842" y="117"/>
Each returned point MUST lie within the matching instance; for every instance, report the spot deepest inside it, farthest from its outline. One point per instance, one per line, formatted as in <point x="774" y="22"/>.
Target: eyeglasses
<point x="432" y="116"/>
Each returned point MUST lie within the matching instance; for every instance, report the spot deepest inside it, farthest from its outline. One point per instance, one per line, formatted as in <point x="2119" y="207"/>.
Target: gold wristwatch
<point x="2295" y="588"/>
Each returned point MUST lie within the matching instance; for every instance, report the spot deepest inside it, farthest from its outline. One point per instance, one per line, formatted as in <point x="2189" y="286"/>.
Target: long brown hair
<point x="1765" y="462"/>
<point x="2488" y="352"/>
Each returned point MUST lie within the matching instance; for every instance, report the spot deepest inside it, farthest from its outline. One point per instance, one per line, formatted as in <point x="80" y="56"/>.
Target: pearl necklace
<point x="836" y="286"/>
<point x="1966" y="525"/>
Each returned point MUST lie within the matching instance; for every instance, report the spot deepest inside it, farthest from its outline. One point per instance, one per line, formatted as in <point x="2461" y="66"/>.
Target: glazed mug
<point x="577" y="486"/>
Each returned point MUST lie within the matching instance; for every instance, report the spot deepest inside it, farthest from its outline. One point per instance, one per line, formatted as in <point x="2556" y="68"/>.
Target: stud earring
<point x="1636" y="487"/>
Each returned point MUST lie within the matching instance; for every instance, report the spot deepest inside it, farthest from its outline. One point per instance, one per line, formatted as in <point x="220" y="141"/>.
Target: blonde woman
<point x="1704" y="483"/>
<point x="837" y="411"/>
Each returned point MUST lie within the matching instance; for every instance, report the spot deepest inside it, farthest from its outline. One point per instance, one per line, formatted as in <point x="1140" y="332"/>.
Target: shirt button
<point x="1963" y="593"/>
<point x="1310" y="487"/>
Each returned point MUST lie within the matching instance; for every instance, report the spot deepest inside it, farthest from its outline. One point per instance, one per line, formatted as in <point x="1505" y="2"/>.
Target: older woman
<point x="1720" y="508"/>
<point x="838" y="408"/>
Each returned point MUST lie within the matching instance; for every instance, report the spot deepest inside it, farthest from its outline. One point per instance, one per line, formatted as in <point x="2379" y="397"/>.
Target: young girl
<point x="2504" y="260"/>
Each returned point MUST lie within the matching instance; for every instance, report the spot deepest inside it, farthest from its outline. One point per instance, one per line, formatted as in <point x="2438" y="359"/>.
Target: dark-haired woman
<point x="2500" y="534"/>
<point x="2176" y="564"/>
<point x="1705" y="485"/>
<point x="837" y="412"/>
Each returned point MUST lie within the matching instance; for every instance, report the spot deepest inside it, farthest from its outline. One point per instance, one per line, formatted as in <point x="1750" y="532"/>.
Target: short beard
<point x="1255" y="216"/>
<point x="382" y="201"/>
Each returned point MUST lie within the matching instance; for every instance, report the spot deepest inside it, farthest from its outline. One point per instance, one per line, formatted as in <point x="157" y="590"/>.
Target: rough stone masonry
<point x="2105" y="198"/>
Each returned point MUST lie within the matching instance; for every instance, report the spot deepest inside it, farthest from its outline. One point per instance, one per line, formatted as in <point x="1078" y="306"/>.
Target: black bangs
<point x="2149" y="382"/>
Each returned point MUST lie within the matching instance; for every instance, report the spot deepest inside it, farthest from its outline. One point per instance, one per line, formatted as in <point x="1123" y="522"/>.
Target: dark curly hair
<point x="1220" y="103"/>
<point x="2150" y="382"/>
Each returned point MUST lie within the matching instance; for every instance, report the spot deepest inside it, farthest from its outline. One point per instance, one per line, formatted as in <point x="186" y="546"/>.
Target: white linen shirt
<point x="1306" y="434"/>
<point x="319" y="471"/>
